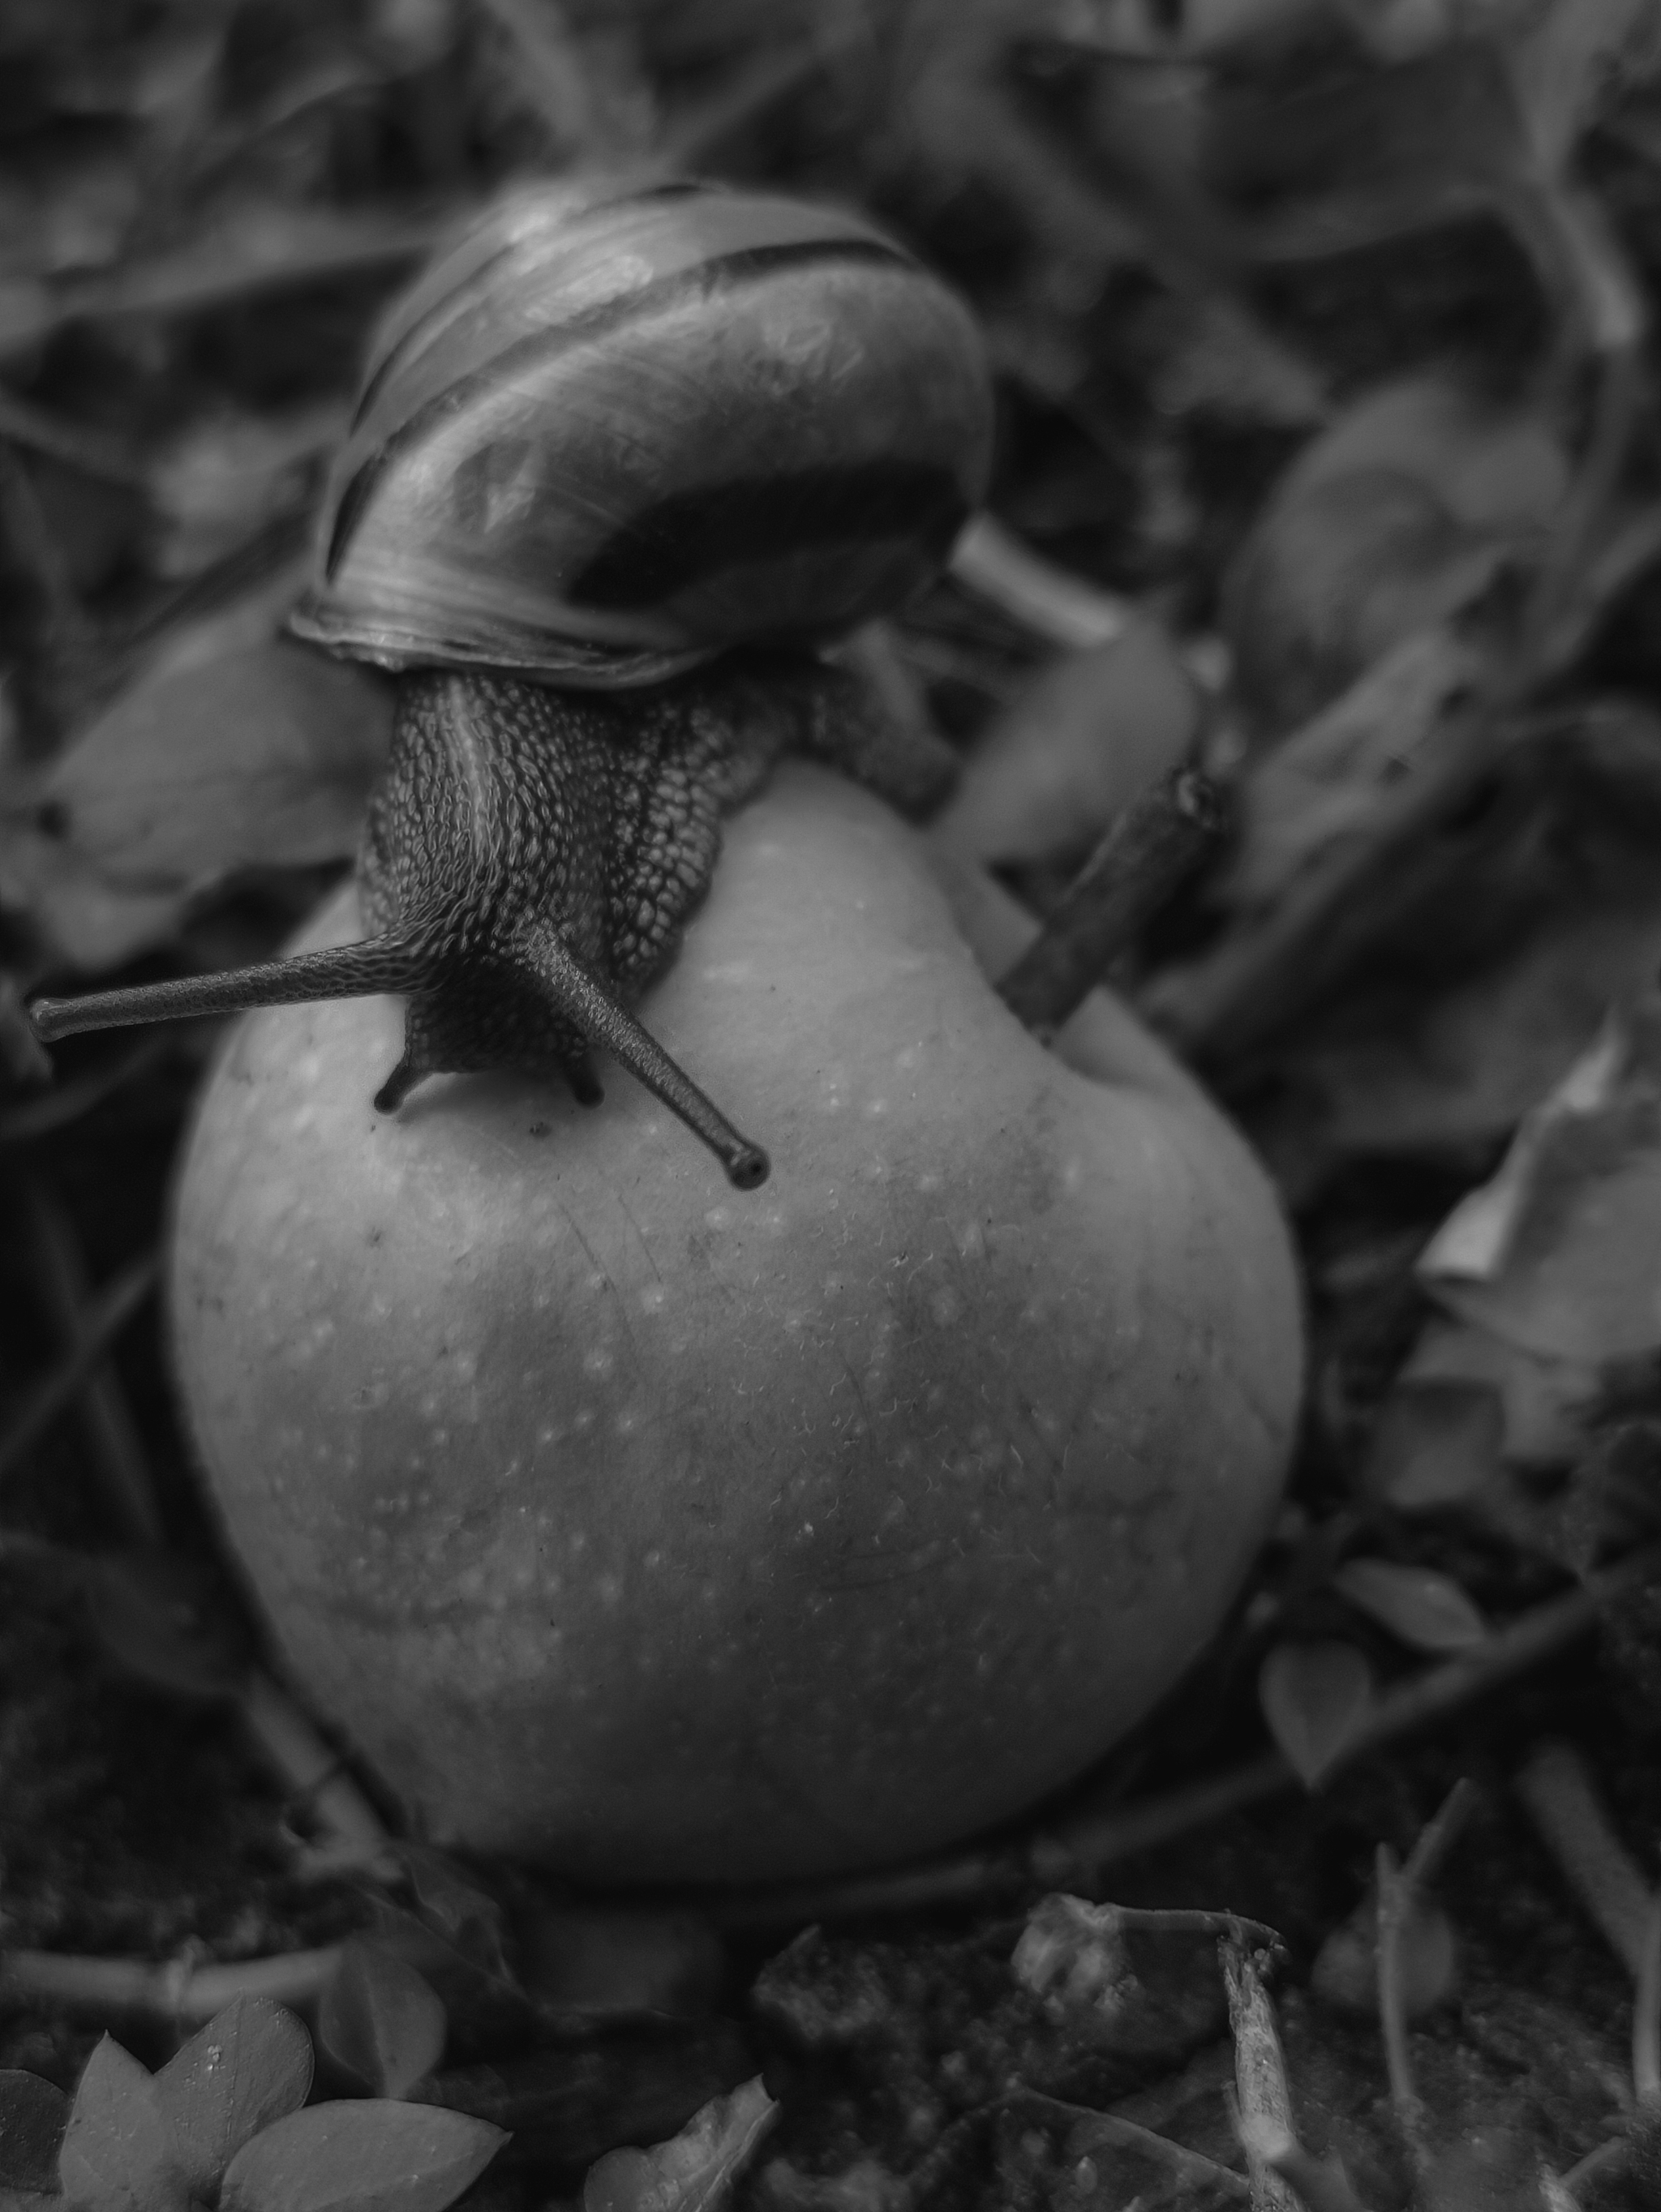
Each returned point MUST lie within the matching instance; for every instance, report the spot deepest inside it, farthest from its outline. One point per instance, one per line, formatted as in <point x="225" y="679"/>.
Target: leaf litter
<point x="1329" y="469"/>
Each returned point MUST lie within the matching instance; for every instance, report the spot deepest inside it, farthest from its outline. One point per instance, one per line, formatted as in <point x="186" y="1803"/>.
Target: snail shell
<point x="613" y="432"/>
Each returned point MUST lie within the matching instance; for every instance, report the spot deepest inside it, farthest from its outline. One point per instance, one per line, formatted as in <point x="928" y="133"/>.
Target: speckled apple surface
<point x="653" y="1531"/>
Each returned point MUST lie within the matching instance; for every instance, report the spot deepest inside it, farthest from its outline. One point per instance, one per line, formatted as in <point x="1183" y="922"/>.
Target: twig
<point x="1572" y="1824"/>
<point x="1647" y="2016"/>
<point x="1554" y="2193"/>
<point x="22" y="1058"/>
<point x="1259" y="2075"/>
<point x="92" y="452"/>
<point x="586" y="117"/>
<point x="1258" y="983"/>
<point x="1089" y="1842"/>
<point x="56" y="1110"/>
<point x="1075" y="1852"/>
<point x="179" y="1990"/>
<point x="1322" y="2184"/>
<point x="1345" y="1970"/>
<point x="1439" y="1834"/>
<point x="287" y="1740"/>
<point x="1395" y="1902"/>
<point x="1603" y="2163"/>
<point x="1192" y="2169"/>
<point x="1048" y="600"/>
<point x="1138" y="864"/>
<point x="224" y="263"/>
<point x="1251" y="990"/>
<point x="1194" y="1920"/>
<point x="18" y="1545"/>
<point x="117" y="1452"/>
<point x="314" y="1774"/>
<point x="61" y="632"/>
<point x="694" y="137"/>
<point x="102" y="1322"/>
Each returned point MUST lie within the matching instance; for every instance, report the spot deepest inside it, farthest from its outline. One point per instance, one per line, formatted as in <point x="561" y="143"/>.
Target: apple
<point x="651" y="1531"/>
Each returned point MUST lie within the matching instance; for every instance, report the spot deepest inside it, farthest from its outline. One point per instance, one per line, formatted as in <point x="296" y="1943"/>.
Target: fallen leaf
<point x="264" y="758"/>
<point x="1072" y="1952"/>
<point x="1329" y="580"/>
<point x="1570" y="61"/>
<point x="1435" y="1442"/>
<point x="1581" y="1277"/>
<point x="228" y="474"/>
<point x="1357" y="156"/>
<point x="1541" y="1403"/>
<point x="1209" y="355"/>
<point x="694" y="2170"/>
<point x="1073" y="749"/>
<point x="465" y="1917"/>
<point x="1472" y="1244"/>
<point x="1326" y="780"/>
<point x="1492" y="468"/>
<point x="1397" y="515"/>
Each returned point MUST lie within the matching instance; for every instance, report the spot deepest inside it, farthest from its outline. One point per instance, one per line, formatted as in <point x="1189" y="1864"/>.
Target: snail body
<point x="610" y="446"/>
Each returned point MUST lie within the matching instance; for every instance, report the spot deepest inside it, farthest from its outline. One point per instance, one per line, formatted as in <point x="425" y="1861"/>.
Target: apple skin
<point x="651" y="1531"/>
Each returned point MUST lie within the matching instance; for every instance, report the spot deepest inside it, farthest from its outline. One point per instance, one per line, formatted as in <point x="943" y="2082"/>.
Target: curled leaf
<point x="694" y="2170"/>
<point x="1580" y="1278"/>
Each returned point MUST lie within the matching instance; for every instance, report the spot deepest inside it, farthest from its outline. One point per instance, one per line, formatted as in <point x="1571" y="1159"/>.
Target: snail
<point x="623" y="459"/>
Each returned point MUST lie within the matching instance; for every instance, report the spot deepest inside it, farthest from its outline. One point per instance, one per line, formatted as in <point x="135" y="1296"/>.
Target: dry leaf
<point x="1075" y="747"/>
<point x="694" y="2170"/>
<point x="264" y="758"/>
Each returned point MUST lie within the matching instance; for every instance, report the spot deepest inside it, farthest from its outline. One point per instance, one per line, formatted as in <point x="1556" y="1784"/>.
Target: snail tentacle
<point x="392" y="962"/>
<point x="584" y="1002"/>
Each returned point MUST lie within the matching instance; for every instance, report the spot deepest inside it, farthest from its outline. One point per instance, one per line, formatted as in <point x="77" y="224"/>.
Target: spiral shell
<point x="615" y="431"/>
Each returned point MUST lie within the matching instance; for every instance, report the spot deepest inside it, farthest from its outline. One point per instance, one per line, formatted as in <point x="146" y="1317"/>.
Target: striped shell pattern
<point x="614" y="432"/>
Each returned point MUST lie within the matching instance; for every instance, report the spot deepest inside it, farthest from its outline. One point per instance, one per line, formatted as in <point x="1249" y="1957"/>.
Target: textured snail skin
<point x="656" y="1534"/>
<point x="529" y="859"/>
